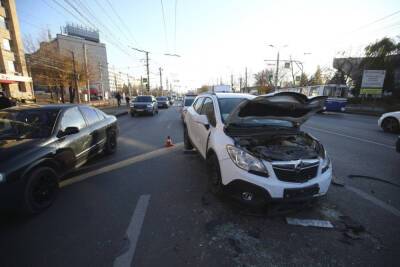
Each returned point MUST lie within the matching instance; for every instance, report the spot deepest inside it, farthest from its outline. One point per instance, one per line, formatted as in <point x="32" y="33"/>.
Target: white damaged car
<point x="254" y="146"/>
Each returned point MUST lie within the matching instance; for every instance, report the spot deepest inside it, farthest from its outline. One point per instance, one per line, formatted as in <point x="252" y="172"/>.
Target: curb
<point x="373" y="114"/>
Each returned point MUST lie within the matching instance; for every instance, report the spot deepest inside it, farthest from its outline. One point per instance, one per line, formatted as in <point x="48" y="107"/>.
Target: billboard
<point x="372" y="82"/>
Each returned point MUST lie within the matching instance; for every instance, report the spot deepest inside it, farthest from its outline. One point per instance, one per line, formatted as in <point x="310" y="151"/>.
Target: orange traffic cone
<point x="168" y="143"/>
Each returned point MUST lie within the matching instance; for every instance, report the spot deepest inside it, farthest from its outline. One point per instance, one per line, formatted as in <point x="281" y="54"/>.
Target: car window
<point x="101" y="114"/>
<point x="90" y="115"/>
<point x="208" y="110"/>
<point x="197" y="104"/>
<point x="72" y="118"/>
<point x="188" y="101"/>
<point x="144" y="99"/>
<point x="226" y="105"/>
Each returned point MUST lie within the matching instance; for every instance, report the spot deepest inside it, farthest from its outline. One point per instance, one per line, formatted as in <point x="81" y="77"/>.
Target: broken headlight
<point x="245" y="161"/>
<point x="326" y="162"/>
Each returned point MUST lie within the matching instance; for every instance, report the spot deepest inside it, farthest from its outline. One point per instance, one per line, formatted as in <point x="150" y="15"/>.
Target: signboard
<point x="372" y="82"/>
<point x="144" y="80"/>
<point x="287" y="65"/>
<point x="9" y="78"/>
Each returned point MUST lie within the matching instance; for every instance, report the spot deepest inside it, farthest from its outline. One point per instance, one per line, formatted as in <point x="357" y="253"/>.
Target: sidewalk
<point x="114" y="110"/>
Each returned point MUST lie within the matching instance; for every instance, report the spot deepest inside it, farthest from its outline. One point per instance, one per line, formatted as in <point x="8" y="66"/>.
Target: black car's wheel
<point x="41" y="190"/>
<point x="390" y="125"/>
<point x="214" y="175"/>
<point x="111" y="142"/>
<point x="133" y="114"/>
<point x="186" y="139"/>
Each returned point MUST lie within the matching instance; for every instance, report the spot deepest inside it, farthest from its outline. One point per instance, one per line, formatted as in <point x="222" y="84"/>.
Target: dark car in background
<point x="40" y="144"/>
<point x="163" y="102"/>
<point x="144" y="104"/>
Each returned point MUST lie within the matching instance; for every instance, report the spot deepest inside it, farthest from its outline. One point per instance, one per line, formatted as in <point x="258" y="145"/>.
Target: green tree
<point x="317" y="78"/>
<point x="303" y="79"/>
<point x="203" y="89"/>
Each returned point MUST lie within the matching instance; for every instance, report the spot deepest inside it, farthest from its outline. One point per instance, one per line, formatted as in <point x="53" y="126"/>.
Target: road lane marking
<point x="351" y="137"/>
<point x="135" y="143"/>
<point x="121" y="164"/>
<point x="374" y="200"/>
<point x="133" y="232"/>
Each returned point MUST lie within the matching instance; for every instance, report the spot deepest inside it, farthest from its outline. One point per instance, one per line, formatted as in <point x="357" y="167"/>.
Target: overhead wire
<point x="165" y="25"/>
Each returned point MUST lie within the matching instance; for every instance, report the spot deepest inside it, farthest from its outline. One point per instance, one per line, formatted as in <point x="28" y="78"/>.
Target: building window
<point x="3" y="23"/>
<point x="10" y="65"/>
<point x="21" y="87"/>
<point x="6" y="45"/>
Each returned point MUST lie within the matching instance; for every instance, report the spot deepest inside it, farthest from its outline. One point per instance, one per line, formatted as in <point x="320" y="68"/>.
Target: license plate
<point x="139" y="110"/>
<point x="301" y="192"/>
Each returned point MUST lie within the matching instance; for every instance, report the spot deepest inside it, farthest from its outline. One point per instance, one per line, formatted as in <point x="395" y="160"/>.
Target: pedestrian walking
<point x="118" y="97"/>
<point x="5" y="102"/>
<point x="127" y="99"/>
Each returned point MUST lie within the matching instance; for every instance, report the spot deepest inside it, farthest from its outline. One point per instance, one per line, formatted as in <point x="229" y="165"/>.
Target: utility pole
<point x="129" y="85"/>
<point x="277" y="71"/>
<point x="161" y="83"/>
<point x="245" y="80"/>
<point x="141" y="85"/>
<point x="75" y="77"/>
<point x="148" y="72"/>
<point x="291" y="67"/>
<point x="240" y="84"/>
<point x="231" y="81"/>
<point x="86" y="72"/>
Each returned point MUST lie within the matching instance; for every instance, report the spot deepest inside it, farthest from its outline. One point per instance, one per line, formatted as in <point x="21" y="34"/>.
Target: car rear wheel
<point x="390" y="125"/>
<point x="214" y="175"/>
<point x="111" y="143"/>
<point x="41" y="190"/>
<point x="186" y="139"/>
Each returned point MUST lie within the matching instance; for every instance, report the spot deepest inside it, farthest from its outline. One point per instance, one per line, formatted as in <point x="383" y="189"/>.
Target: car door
<point x="78" y="143"/>
<point x="97" y="129"/>
<point x="192" y="125"/>
<point x="204" y="131"/>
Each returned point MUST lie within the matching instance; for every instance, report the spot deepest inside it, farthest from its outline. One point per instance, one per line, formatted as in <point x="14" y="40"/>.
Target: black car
<point x="144" y="104"/>
<point x="398" y="144"/>
<point x="40" y="144"/>
<point x="162" y="102"/>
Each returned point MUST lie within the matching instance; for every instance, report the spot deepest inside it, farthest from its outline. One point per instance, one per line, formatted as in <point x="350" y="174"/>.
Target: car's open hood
<point x="289" y="106"/>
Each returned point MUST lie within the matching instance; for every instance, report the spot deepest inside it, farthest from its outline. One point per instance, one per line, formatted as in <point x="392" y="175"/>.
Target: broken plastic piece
<point x="308" y="222"/>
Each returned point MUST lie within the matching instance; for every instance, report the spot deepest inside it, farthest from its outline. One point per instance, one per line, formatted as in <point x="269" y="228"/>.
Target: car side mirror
<point x="68" y="131"/>
<point x="202" y="119"/>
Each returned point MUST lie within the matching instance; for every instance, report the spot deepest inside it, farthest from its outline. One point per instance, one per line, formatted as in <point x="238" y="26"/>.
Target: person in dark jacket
<point x="118" y="97"/>
<point x="127" y="99"/>
<point x="5" y="102"/>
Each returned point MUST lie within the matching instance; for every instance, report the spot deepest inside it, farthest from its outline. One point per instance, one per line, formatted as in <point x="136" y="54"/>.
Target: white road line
<point x="133" y="232"/>
<point x="374" y="200"/>
<point x="121" y="164"/>
<point x="351" y="137"/>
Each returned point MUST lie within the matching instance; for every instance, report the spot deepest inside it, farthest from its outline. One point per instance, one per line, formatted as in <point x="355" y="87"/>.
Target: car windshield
<point x="27" y="124"/>
<point x="226" y="105"/>
<point x="161" y="98"/>
<point x="143" y="99"/>
<point x="188" y="102"/>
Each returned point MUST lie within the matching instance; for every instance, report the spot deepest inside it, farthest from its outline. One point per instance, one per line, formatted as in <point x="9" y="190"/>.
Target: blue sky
<point x="217" y="38"/>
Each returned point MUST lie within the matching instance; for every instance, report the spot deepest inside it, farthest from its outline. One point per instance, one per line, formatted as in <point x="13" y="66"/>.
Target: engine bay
<point x="281" y="147"/>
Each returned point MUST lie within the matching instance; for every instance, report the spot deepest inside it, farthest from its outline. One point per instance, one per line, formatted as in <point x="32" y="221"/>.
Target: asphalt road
<point x="149" y="206"/>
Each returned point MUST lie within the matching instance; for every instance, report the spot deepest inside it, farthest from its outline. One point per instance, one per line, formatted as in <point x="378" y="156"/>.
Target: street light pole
<point x="75" y="76"/>
<point x="277" y="64"/>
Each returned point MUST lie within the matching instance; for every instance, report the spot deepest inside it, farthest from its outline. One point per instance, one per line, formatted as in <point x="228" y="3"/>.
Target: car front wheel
<point x="214" y="175"/>
<point x="111" y="142"/>
<point x="391" y="125"/>
<point x="186" y="139"/>
<point x="41" y="190"/>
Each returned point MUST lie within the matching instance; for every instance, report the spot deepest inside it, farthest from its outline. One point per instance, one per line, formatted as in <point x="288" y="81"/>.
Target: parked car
<point x="390" y="122"/>
<point x="144" y="104"/>
<point x="170" y="100"/>
<point x="162" y="102"/>
<point x="186" y="102"/>
<point x="254" y="146"/>
<point x="398" y="144"/>
<point x="40" y="144"/>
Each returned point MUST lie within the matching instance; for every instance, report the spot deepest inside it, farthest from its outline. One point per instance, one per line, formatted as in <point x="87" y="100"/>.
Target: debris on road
<point x="337" y="182"/>
<point x="168" y="142"/>
<point x="309" y="222"/>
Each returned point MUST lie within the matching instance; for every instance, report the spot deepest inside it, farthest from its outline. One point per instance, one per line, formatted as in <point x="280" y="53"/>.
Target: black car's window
<point x="197" y="104"/>
<point x="27" y="123"/>
<point x="144" y="99"/>
<point x="208" y="110"/>
<point x="72" y="118"/>
<point x="161" y="99"/>
<point x="90" y="115"/>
